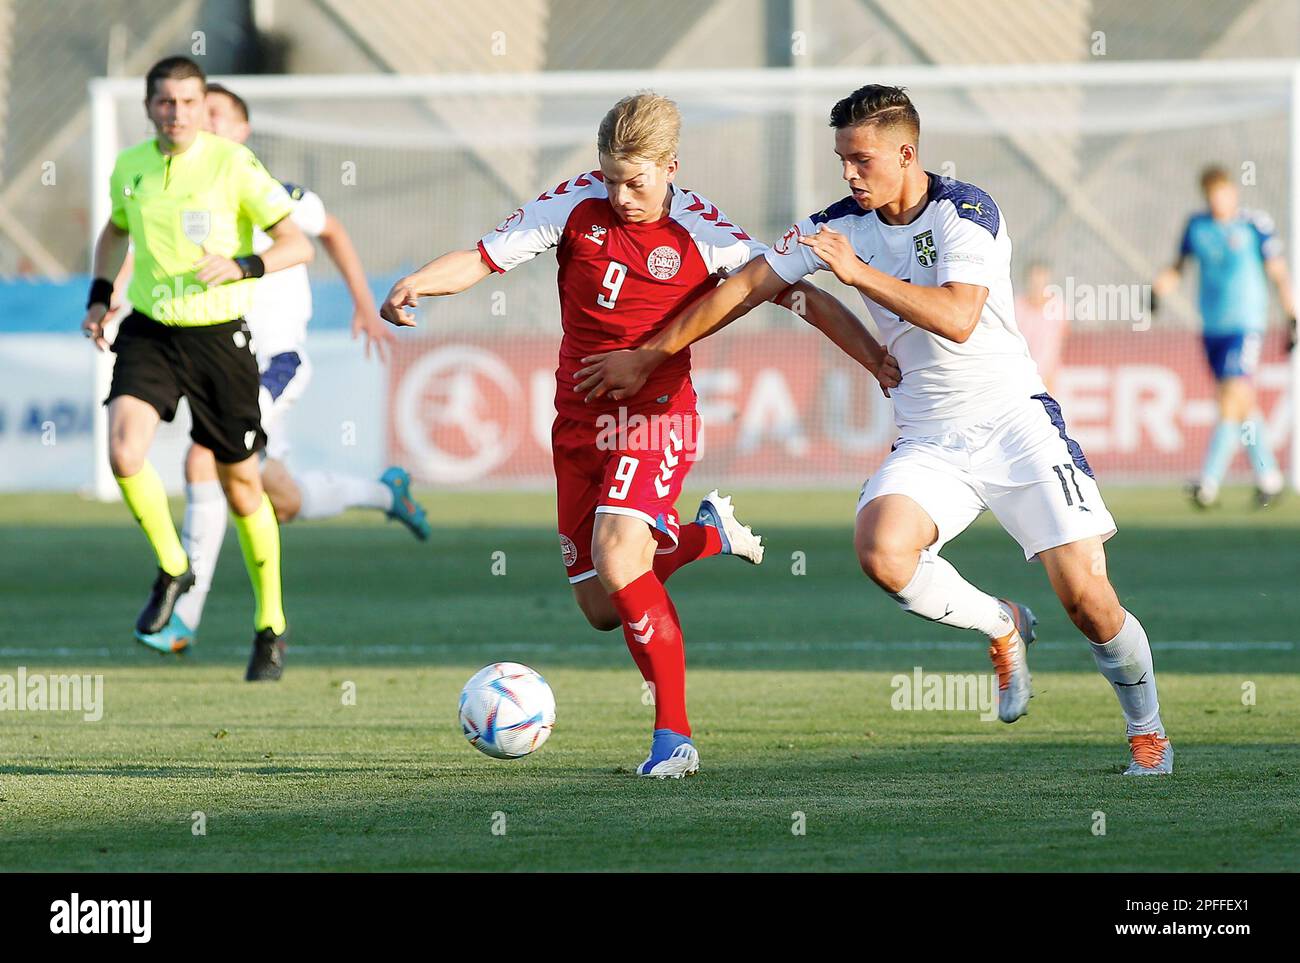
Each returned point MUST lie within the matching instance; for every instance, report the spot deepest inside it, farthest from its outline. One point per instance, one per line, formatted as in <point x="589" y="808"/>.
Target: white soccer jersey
<point x="960" y="237"/>
<point x="282" y="299"/>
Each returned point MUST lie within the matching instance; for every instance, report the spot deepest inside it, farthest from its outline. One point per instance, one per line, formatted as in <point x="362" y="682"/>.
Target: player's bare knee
<point x="619" y="555"/>
<point x="127" y="451"/>
<point x="889" y="565"/>
<point x="243" y="494"/>
<point x="1095" y="611"/>
<point x="242" y="502"/>
<point x="613" y="567"/>
<point x="124" y="458"/>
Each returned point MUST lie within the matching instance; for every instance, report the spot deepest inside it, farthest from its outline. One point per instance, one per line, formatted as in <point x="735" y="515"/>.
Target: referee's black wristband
<point x="101" y="292"/>
<point x="251" y="265"/>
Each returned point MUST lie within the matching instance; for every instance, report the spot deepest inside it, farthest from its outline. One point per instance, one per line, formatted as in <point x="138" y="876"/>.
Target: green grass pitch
<point x="789" y="692"/>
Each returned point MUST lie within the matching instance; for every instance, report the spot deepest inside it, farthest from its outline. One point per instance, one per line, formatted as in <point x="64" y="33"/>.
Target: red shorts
<point x="628" y="463"/>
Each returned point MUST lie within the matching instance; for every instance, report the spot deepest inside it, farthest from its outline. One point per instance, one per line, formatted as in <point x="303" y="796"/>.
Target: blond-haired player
<point x="931" y="258"/>
<point x="633" y="249"/>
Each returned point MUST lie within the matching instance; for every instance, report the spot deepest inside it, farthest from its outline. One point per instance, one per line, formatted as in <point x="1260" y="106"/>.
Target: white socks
<point x="204" y="531"/>
<point x="938" y="593"/>
<point x="325" y="494"/>
<point x="1125" y="661"/>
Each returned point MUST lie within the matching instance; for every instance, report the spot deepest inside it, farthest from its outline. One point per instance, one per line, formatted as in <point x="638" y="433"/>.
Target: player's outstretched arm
<point x="338" y="245"/>
<point x="449" y="274"/>
<point x="110" y="253"/>
<point x="289" y="246"/>
<point x="620" y="374"/>
<point x="951" y="310"/>
<point x="829" y="315"/>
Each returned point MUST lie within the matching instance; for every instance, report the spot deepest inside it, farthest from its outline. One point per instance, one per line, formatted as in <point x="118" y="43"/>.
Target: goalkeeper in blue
<point x="1237" y="254"/>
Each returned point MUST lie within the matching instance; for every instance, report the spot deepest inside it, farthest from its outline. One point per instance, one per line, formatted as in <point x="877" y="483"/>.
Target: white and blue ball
<point x="507" y="710"/>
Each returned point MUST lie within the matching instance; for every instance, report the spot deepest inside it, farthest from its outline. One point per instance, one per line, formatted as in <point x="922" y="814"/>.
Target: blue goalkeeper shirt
<point x="1231" y="256"/>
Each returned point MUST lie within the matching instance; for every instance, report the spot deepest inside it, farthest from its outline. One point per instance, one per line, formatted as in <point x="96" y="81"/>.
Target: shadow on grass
<point x="943" y="806"/>
<point x="357" y="595"/>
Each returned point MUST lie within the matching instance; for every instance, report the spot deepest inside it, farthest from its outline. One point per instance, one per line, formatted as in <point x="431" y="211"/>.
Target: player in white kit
<point x="278" y="321"/>
<point x="931" y="258"/>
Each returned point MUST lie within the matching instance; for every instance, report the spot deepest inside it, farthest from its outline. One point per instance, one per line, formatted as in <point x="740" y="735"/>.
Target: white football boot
<point x="737" y="539"/>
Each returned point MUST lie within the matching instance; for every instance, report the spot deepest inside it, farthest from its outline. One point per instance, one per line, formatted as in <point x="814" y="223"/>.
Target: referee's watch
<point x="251" y="265"/>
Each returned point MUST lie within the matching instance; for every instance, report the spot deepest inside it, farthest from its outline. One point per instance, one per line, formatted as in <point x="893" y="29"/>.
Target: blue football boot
<point x="672" y="756"/>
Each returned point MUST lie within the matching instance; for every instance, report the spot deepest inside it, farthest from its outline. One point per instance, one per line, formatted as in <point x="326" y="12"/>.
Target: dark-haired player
<point x="278" y="318"/>
<point x="931" y="258"/>
<point x="189" y="201"/>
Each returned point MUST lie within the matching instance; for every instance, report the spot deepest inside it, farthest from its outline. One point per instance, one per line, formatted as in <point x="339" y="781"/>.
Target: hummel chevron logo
<point x="639" y="630"/>
<point x="671" y="458"/>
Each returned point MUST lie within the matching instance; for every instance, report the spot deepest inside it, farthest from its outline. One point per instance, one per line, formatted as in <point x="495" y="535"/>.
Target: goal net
<point x="1095" y="169"/>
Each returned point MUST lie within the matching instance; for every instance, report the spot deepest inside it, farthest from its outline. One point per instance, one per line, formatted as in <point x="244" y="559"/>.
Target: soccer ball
<point x="506" y="710"/>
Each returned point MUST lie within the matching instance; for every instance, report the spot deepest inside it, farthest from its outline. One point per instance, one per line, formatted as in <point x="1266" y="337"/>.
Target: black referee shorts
<point x="213" y="366"/>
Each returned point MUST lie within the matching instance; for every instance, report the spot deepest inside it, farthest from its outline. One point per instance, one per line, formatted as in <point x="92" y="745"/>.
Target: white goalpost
<point x="1093" y="164"/>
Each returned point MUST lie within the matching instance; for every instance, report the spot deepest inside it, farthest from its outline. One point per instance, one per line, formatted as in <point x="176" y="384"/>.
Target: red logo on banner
<point x="456" y="413"/>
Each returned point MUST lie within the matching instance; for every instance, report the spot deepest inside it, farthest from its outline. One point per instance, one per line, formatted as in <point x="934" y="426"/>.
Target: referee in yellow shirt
<point x="188" y="201"/>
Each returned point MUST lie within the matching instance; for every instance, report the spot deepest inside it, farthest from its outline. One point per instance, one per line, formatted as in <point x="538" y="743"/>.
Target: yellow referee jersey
<point x="207" y="198"/>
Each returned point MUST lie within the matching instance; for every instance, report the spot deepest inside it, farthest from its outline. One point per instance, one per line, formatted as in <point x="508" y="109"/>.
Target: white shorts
<point x="1022" y="466"/>
<point x="284" y="378"/>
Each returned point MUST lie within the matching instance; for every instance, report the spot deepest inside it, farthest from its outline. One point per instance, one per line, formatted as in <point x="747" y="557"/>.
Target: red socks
<point x="653" y="631"/>
<point x="654" y="637"/>
<point x="694" y="541"/>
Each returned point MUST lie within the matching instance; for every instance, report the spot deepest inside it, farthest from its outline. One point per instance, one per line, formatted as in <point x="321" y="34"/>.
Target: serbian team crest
<point x="663" y="262"/>
<point x="569" y="550"/>
<point x="925" y="252"/>
<point x="196" y="225"/>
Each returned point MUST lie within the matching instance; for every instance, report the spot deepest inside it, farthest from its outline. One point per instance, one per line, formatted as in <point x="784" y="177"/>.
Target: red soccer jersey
<point x="619" y="283"/>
